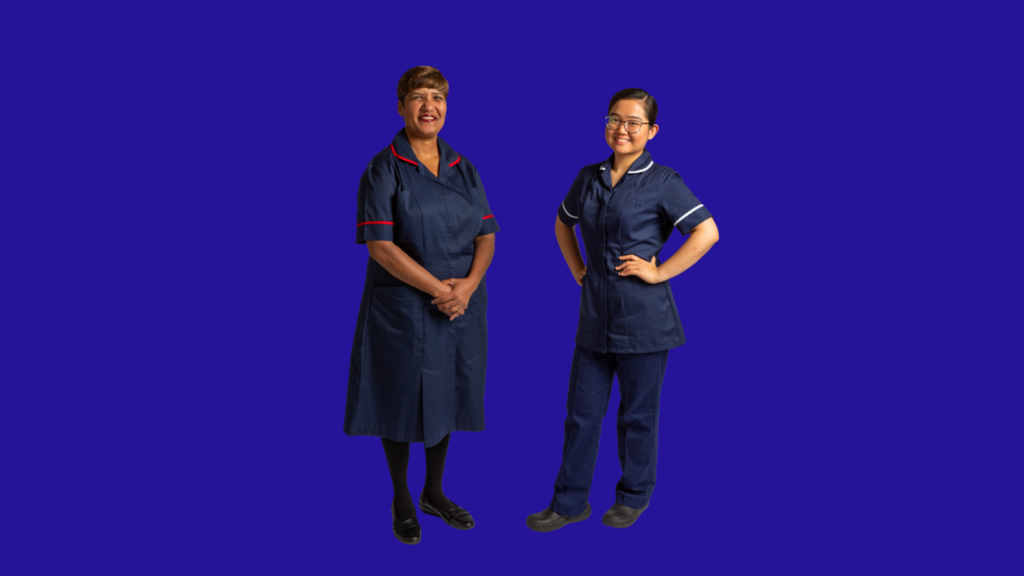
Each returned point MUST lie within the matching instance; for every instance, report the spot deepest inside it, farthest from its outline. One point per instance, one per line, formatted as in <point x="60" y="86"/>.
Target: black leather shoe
<point x="455" y="517"/>
<point x="407" y="531"/>
<point x="548" y="520"/>
<point x="619" y="516"/>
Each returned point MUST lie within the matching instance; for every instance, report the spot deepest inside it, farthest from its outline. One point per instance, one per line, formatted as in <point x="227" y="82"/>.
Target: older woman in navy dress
<point x="419" y="357"/>
<point x="626" y="207"/>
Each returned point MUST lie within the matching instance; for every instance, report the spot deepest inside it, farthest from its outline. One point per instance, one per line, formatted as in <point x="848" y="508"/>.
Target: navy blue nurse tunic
<point x="624" y="314"/>
<point x="415" y="375"/>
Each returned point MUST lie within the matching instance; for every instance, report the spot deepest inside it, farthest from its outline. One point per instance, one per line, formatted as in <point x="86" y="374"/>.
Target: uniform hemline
<point x="396" y="438"/>
<point x="631" y="350"/>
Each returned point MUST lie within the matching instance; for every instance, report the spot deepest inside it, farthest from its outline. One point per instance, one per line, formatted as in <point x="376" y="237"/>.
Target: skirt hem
<point x="419" y="439"/>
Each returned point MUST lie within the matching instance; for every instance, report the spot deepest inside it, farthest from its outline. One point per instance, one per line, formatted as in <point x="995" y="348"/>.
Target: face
<point x="423" y="110"/>
<point x="619" y="139"/>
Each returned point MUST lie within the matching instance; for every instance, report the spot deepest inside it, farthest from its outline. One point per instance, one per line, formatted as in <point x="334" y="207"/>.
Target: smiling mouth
<point x="427" y="118"/>
<point x="622" y="140"/>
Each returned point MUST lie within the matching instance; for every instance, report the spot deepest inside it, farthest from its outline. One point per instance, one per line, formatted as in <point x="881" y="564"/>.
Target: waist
<point x="442" y="269"/>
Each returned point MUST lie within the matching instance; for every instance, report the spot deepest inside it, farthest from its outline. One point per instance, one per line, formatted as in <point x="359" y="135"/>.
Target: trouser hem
<point x="567" y="510"/>
<point x="632" y="501"/>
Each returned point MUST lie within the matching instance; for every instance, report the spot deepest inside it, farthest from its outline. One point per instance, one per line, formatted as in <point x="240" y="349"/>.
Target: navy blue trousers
<point x="590" y="386"/>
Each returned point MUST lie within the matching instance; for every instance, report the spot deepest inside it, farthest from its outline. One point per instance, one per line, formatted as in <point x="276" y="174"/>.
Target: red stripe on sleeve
<point x="377" y="222"/>
<point x="488" y="216"/>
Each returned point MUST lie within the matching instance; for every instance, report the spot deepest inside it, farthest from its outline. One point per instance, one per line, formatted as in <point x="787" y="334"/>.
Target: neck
<point x="624" y="161"/>
<point x="423" y="147"/>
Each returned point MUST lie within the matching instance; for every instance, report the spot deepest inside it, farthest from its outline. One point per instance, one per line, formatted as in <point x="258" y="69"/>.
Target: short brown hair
<point x="421" y="77"/>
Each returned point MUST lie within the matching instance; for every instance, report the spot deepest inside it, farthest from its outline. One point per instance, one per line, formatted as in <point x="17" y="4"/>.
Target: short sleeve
<point x="377" y="189"/>
<point x="489" y="224"/>
<point x="568" y="212"/>
<point x="680" y="205"/>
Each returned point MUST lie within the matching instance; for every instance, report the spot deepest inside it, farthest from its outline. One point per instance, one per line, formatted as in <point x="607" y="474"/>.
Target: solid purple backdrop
<point x="188" y="284"/>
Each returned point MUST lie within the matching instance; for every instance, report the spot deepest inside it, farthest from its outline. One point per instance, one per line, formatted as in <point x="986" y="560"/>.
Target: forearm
<point x="570" y="247"/>
<point x="696" y="246"/>
<point x="401" y="266"/>
<point x="483" y="253"/>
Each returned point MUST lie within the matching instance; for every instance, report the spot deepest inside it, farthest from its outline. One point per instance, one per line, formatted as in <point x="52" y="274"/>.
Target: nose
<point x="621" y="129"/>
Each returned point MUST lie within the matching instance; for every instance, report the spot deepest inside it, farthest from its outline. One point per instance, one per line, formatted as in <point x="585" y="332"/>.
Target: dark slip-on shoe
<point x="548" y="520"/>
<point x="407" y="531"/>
<point x="619" y="516"/>
<point x="455" y="517"/>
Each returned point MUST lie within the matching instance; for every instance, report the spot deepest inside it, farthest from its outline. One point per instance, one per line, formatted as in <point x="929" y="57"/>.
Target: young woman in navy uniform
<point x="626" y="207"/>
<point x="419" y="357"/>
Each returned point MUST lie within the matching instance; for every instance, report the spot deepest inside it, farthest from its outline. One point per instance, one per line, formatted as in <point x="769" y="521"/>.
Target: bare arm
<point x="483" y="253"/>
<point x="700" y="241"/>
<point x="570" y="250"/>
<point x="401" y="266"/>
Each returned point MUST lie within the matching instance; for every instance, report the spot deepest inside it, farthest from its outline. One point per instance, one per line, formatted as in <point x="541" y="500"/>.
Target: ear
<point x="400" y="112"/>
<point x="654" y="130"/>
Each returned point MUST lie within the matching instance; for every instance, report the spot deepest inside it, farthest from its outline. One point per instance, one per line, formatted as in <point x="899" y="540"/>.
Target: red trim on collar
<point x="377" y="222"/>
<point x="402" y="157"/>
<point x="456" y="162"/>
<point x="488" y="216"/>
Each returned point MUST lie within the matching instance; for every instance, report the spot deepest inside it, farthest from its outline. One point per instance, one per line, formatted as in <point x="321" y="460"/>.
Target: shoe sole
<point x="570" y="520"/>
<point x="404" y="542"/>
<point x="625" y="524"/>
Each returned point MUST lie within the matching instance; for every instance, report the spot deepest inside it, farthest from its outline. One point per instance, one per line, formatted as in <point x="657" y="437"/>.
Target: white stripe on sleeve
<point x="681" y="217"/>
<point x="574" y="217"/>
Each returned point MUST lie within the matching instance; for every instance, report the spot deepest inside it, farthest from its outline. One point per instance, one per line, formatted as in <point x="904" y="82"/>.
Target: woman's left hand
<point x="454" y="303"/>
<point x="636" y="266"/>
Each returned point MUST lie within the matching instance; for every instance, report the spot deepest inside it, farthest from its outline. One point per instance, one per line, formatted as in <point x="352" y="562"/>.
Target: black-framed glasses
<point x="632" y="126"/>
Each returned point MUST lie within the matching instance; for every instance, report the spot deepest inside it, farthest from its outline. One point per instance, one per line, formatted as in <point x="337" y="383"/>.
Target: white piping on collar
<point x="644" y="169"/>
<point x="602" y="168"/>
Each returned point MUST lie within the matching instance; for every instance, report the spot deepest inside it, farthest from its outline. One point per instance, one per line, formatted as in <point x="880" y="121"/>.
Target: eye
<point x="633" y="124"/>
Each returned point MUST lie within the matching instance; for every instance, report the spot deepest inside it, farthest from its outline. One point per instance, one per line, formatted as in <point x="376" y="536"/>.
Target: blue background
<point x="179" y="225"/>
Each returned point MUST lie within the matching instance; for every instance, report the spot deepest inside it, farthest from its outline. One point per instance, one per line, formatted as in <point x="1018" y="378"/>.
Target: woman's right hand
<point x="579" y="274"/>
<point x="441" y="289"/>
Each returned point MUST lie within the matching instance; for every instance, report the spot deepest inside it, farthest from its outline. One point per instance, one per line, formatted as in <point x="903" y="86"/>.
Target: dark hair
<point x="648" y="101"/>
<point x="421" y="77"/>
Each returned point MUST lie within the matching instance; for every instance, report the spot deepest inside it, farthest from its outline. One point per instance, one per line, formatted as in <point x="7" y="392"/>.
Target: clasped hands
<point x="456" y="300"/>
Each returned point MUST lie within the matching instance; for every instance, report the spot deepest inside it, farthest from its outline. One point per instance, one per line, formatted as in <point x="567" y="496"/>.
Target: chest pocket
<point x="647" y="201"/>
<point x="640" y="226"/>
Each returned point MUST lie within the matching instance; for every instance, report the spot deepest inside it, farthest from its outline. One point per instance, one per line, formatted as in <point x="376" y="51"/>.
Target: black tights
<point x="397" y="454"/>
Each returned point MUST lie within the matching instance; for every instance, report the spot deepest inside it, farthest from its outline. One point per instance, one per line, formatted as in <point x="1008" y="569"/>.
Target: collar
<point x="642" y="164"/>
<point x="402" y="150"/>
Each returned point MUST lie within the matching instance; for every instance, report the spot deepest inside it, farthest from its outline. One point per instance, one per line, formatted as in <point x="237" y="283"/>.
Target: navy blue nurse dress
<point x="414" y="375"/>
<point x="624" y="314"/>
